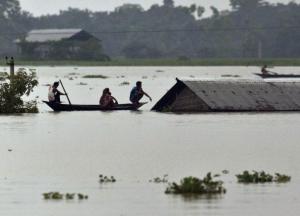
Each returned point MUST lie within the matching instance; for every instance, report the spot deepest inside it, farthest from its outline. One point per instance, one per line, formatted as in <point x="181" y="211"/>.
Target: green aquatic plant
<point x="124" y="83"/>
<point x="60" y="196"/>
<point x="95" y="76"/>
<point x="254" y="177"/>
<point x="82" y="196"/>
<point x="105" y="179"/>
<point x="193" y="185"/>
<point x="163" y="179"/>
<point x="69" y="196"/>
<point x="262" y="177"/>
<point x="281" y="178"/>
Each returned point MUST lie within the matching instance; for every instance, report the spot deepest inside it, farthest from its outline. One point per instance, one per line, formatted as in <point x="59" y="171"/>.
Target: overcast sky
<point x="38" y="7"/>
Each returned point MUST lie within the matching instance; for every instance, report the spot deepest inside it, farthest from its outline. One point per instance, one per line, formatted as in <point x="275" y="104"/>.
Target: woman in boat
<point x="107" y="100"/>
<point x="54" y="94"/>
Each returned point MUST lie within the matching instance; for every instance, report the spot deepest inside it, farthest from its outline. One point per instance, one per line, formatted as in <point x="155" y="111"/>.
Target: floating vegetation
<point x="281" y="178"/>
<point x="193" y="185"/>
<point x="254" y="177"/>
<point x="124" y="83"/>
<point x="99" y="76"/>
<point x="60" y="196"/>
<point x="163" y="179"/>
<point x="229" y="75"/>
<point x="225" y="172"/>
<point x="261" y="177"/>
<point x="105" y="179"/>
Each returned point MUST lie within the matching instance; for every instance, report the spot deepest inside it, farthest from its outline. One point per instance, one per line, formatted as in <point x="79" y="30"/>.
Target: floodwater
<point x="67" y="151"/>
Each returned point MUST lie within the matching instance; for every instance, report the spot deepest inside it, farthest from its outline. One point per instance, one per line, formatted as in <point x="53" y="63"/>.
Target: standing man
<point x="11" y="64"/>
<point x="137" y="93"/>
<point x="54" y="94"/>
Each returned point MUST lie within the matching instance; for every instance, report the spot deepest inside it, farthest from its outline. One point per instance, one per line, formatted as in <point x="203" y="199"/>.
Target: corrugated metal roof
<point x="239" y="95"/>
<point x="43" y="35"/>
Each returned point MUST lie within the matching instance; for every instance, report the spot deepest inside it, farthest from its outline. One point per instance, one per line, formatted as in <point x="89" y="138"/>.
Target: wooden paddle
<point x="65" y="92"/>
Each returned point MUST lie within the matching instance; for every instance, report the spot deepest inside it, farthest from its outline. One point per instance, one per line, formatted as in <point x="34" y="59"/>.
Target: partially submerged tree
<point x="12" y="90"/>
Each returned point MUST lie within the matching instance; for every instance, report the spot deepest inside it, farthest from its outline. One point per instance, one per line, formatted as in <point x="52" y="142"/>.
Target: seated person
<point x="107" y="100"/>
<point x="264" y="70"/>
<point x="137" y="93"/>
<point x="54" y="93"/>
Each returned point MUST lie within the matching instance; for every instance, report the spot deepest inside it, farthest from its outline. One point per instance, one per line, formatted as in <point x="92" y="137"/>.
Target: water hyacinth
<point x="163" y="179"/>
<point x="254" y="177"/>
<point x="105" y="179"/>
<point x="60" y="196"/>
<point x="281" y="178"/>
<point x="193" y="185"/>
<point x="261" y="177"/>
<point x="95" y="76"/>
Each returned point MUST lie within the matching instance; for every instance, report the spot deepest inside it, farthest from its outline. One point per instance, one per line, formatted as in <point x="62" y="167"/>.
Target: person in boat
<point x="137" y="93"/>
<point x="264" y="70"/>
<point x="54" y="94"/>
<point x="107" y="100"/>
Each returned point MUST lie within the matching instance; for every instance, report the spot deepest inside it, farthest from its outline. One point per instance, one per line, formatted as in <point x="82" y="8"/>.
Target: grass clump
<point x="261" y="177"/>
<point x="193" y="185"/>
<point x="60" y="196"/>
<point x="99" y="76"/>
<point x="105" y="179"/>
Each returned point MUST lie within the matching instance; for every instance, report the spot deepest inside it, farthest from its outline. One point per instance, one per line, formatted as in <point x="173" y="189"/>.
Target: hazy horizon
<point x="38" y="8"/>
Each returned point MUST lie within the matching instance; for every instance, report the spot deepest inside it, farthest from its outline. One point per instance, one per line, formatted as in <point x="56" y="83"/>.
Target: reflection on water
<point x="66" y="152"/>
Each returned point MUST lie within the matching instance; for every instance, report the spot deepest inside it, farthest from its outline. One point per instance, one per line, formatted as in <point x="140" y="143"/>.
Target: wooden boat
<point x="278" y="75"/>
<point x="75" y="107"/>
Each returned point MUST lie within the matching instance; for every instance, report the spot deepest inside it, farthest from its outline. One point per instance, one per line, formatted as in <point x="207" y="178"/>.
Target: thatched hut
<point x="230" y="95"/>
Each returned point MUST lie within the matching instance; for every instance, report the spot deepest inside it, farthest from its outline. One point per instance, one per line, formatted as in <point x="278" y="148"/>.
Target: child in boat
<point x="107" y="100"/>
<point x="54" y="94"/>
<point x="137" y="93"/>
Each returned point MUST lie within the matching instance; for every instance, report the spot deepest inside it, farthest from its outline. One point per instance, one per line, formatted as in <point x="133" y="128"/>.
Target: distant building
<point x="60" y="44"/>
<point x="231" y="95"/>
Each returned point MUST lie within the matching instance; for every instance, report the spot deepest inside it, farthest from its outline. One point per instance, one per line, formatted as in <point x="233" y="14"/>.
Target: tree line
<point x="250" y="29"/>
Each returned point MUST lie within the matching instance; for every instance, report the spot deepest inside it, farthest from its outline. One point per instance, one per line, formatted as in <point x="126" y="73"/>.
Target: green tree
<point x="12" y="91"/>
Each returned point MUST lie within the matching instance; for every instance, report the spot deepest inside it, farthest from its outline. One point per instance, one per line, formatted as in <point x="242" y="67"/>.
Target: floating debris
<point x="163" y="179"/>
<point x="105" y="179"/>
<point x="159" y="71"/>
<point x="99" y="76"/>
<point x="144" y="77"/>
<point x="124" y="83"/>
<point x="82" y="83"/>
<point x="71" y="78"/>
<point x="193" y="185"/>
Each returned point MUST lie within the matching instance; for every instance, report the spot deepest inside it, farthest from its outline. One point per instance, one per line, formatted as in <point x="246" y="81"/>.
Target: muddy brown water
<point x="67" y="151"/>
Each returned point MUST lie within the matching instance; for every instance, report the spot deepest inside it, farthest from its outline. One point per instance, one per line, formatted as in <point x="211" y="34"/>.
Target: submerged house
<point x="231" y="95"/>
<point x="59" y="44"/>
